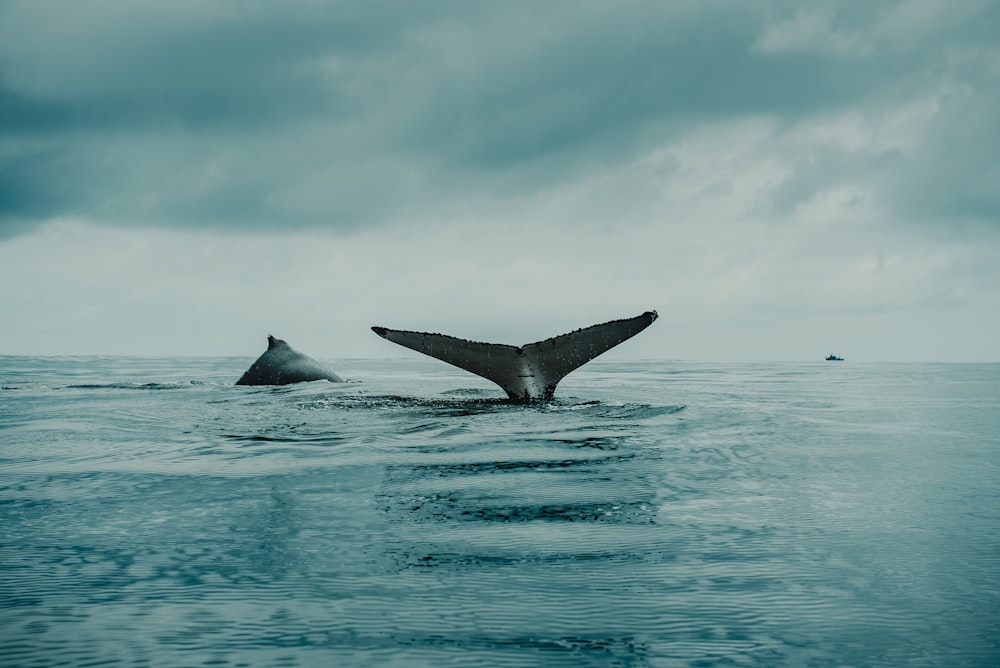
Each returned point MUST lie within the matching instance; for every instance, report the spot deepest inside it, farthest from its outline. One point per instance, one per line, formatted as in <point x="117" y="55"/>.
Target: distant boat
<point x="834" y="358"/>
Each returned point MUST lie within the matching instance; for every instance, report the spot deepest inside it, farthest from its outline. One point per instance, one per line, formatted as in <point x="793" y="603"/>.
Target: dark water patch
<point x="497" y="467"/>
<point x="617" y="513"/>
<point x="456" y="506"/>
<point x="543" y="488"/>
<point x="472" y="392"/>
<point x="584" y="441"/>
<point x="413" y="648"/>
<point x="472" y="403"/>
<point x="134" y="386"/>
<point x="409" y="404"/>
<point x="512" y="558"/>
<point x="290" y="435"/>
<point x="627" y="411"/>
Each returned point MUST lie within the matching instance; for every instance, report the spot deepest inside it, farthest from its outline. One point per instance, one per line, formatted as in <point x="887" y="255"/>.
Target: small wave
<point x="473" y="468"/>
<point x="289" y="437"/>
<point x="450" y="407"/>
<point x="454" y="506"/>
<point x="457" y="403"/>
<point x="623" y="411"/>
<point x="471" y="391"/>
<point x="134" y="386"/>
<point x="617" y="513"/>
<point x="473" y="401"/>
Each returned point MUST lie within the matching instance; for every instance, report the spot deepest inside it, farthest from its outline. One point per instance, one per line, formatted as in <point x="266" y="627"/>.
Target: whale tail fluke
<point x="527" y="372"/>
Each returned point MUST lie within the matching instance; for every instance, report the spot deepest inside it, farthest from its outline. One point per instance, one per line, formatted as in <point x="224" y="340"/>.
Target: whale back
<point x="524" y="372"/>
<point x="282" y="365"/>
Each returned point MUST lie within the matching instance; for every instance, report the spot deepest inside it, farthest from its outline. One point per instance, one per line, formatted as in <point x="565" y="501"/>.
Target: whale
<point x="282" y="365"/>
<point x="529" y="372"/>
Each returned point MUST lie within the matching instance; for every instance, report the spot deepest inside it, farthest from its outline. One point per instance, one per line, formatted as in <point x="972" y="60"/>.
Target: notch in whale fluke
<point x="526" y="372"/>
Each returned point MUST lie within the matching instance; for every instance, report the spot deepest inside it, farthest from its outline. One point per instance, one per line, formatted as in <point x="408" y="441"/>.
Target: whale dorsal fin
<point x="281" y="365"/>
<point x="531" y="371"/>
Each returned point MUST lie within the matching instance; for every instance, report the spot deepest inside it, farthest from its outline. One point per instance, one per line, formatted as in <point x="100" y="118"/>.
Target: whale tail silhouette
<point x="525" y="372"/>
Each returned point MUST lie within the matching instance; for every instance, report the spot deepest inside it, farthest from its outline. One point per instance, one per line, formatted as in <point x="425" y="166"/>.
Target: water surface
<point x="654" y="514"/>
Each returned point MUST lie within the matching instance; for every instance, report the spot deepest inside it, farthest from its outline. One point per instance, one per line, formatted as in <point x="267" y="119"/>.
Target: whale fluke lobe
<point x="530" y="371"/>
<point x="282" y="365"/>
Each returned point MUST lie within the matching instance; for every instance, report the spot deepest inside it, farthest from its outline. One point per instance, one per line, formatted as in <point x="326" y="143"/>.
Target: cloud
<point x="953" y="175"/>
<point x="813" y="32"/>
<point x="765" y="174"/>
<point x="338" y="115"/>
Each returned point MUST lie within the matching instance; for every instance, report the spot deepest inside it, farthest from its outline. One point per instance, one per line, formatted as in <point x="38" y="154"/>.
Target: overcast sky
<point x="780" y="180"/>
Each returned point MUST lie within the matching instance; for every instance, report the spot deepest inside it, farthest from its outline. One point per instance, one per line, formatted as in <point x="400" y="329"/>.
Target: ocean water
<point x="656" y="513"/>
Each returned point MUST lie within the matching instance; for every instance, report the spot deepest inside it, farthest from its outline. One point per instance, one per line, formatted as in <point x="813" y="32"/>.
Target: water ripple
<point x="653" y="514"/>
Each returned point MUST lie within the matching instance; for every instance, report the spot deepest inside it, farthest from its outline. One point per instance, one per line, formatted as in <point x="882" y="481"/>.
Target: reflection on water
<point x="653" y="514"/>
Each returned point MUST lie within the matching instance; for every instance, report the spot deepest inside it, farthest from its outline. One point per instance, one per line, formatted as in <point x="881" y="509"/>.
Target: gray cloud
<point x="254" y="115"/>
<point x="955" y="172"/>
